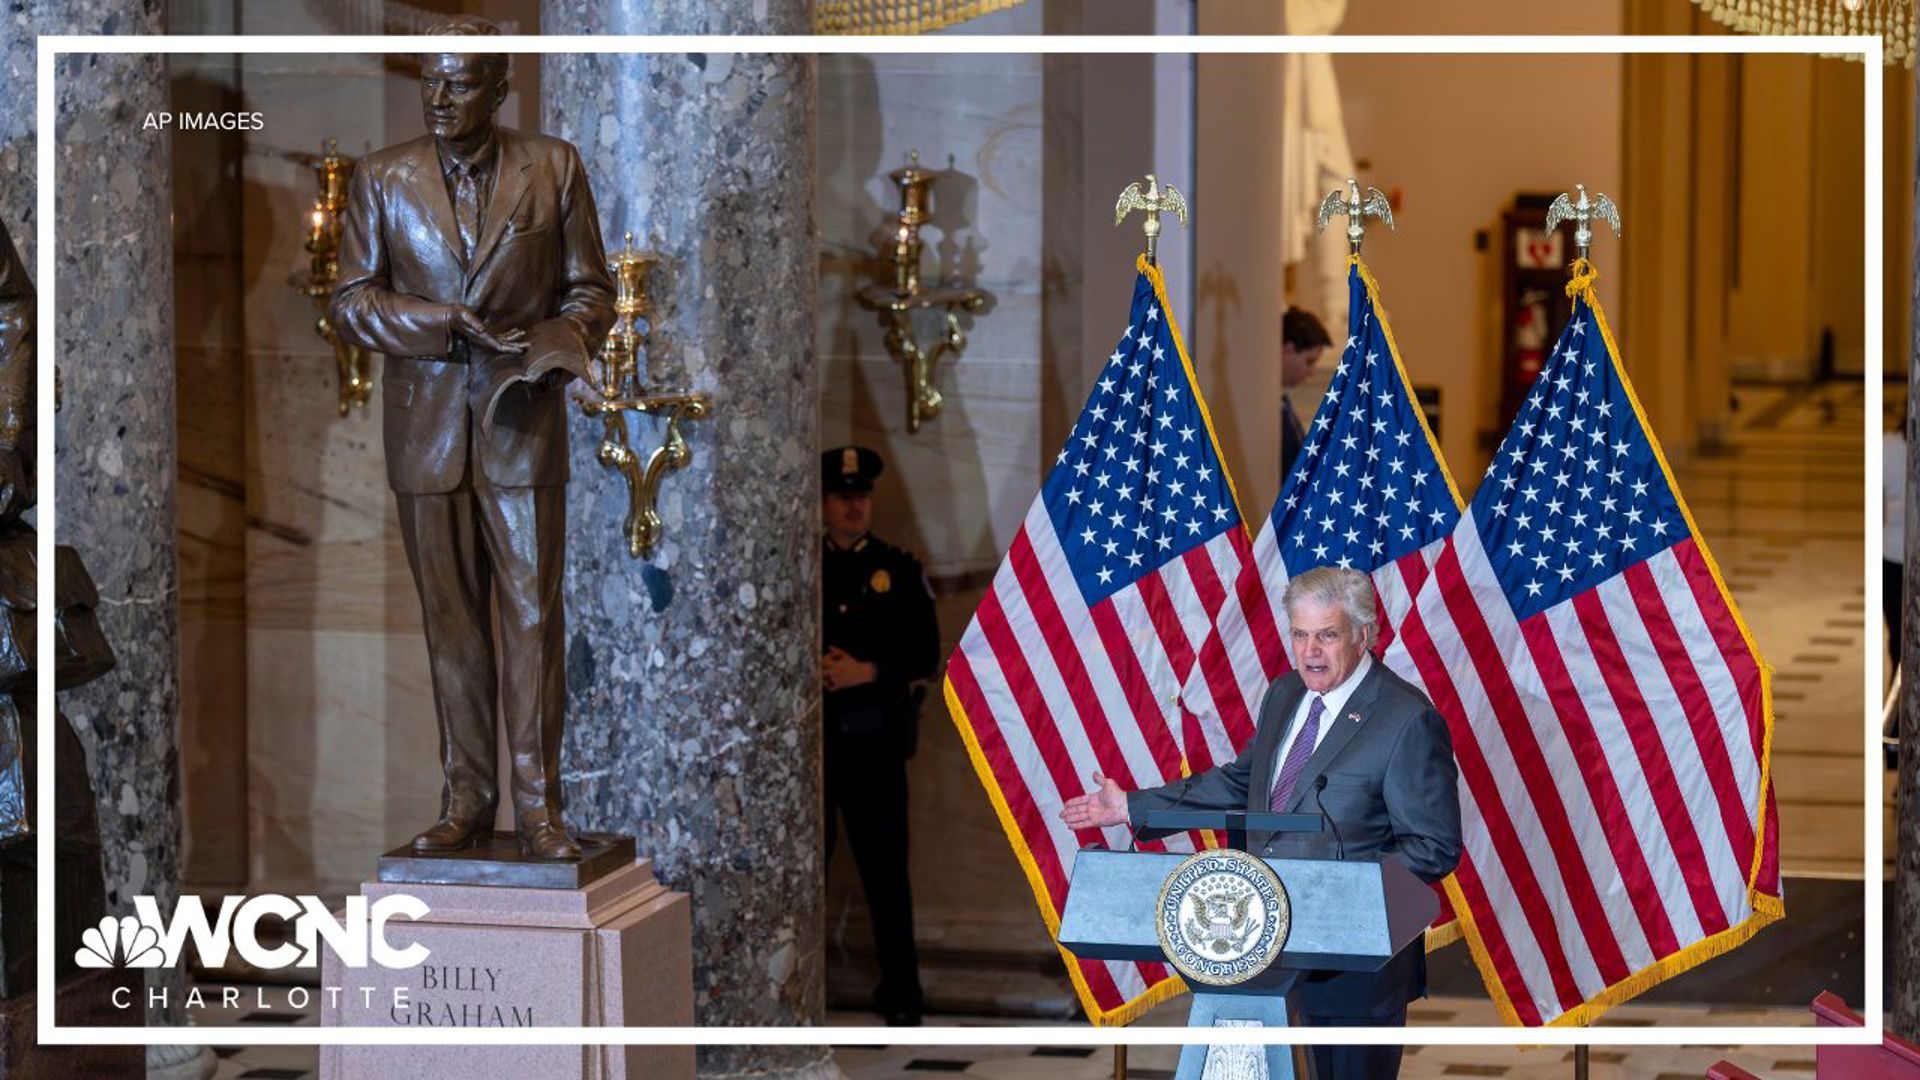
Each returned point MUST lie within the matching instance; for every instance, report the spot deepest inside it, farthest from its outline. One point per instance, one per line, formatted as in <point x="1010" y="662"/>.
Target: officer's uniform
<point x="877" y="609"/>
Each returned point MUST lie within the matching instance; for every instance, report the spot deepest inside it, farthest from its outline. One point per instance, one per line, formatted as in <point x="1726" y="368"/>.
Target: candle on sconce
<point x="316" y="282"/>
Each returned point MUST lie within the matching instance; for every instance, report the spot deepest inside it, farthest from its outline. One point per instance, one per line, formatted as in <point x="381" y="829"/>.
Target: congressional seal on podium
<point x="1223" y="917"/>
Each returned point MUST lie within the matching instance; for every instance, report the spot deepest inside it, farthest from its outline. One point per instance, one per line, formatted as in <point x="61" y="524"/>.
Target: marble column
<point x="693" y="674"/>
<point x="115" y="467"/>
<point x="1903" y="923"/>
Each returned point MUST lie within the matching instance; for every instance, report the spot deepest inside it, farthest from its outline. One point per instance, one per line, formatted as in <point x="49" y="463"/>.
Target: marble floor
<point x="1016" y="1062"/>
<point x="1781" y="503"/>
<point x="1420" y="1063"/>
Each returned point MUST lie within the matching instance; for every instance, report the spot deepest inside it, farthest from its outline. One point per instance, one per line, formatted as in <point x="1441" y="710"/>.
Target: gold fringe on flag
<point x="1892" y="21"/>
<point x="899" y="16"/>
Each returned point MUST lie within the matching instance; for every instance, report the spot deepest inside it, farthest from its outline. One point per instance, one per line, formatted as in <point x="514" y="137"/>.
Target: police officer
<point x="879" y="637"/>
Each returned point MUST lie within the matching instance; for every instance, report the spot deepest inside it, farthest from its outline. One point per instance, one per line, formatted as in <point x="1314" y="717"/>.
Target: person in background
<point x="879" y="637"/>
<point x="1301" y="338"/>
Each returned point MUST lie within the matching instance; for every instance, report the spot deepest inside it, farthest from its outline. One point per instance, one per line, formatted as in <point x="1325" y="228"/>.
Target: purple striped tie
<point x="1297" y="757"/>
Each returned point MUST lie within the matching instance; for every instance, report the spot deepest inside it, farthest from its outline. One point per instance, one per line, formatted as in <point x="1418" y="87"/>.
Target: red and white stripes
<point x="1052" y="691"/>
<point x="1610" y="753"/>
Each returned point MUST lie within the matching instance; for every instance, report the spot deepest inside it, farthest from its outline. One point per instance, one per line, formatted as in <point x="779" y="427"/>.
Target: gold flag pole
<point x="1582" y="212"/>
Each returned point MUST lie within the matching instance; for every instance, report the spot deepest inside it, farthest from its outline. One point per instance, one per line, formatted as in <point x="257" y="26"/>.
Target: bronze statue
<point x="471" y="257"/>
<point x="81" y="655"/>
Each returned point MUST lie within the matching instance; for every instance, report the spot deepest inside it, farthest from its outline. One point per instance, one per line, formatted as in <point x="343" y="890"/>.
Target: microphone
<point x="1320" y="785"/>
<point x="1133" y="834"/>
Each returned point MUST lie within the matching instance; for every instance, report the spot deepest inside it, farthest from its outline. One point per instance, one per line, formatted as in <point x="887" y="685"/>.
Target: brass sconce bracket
<point x="894" y="303"/>
<point x="621" y="392"/>
<point x="896" y="317"/>
<point x="643" y="525"/>
<point x="331" y="171"/>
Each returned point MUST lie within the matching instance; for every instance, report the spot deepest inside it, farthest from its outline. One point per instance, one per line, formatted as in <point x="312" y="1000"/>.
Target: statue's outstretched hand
<point x="468" y="324"/>
<point x="1106" y="805"/>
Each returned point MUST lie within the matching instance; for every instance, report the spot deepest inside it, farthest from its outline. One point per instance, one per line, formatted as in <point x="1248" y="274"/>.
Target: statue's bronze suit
<point x="466" y="252"/>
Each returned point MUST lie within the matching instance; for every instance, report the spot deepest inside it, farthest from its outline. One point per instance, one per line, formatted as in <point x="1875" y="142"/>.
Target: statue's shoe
<point x="451" y="834"/>
<point x="547" y="844"/>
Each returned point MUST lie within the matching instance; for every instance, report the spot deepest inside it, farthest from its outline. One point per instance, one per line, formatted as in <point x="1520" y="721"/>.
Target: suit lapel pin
<point x="1354" y="716"/>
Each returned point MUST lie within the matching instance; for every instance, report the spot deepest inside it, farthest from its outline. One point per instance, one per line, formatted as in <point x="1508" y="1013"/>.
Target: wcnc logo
<point x="145" y="940"/>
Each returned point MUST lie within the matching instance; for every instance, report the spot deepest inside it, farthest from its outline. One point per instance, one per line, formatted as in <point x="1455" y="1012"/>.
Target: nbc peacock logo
<point x="357" y="934"/>
<point x="125" y="942"/>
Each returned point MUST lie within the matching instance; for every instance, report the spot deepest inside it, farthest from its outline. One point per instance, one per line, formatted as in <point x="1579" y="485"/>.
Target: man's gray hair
<point x="475" y="26"/>
<point x="1350" y="589"/>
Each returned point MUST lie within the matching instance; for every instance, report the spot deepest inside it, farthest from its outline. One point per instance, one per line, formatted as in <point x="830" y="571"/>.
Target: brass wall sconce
<point x="331" y="171"/>
<point x="895" y="302"/>
<point x="623" y="391"/>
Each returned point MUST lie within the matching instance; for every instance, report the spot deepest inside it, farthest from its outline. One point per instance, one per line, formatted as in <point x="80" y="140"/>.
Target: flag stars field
<point x="1577" y="454"/>
<point x="1161" y="498"/>
<point x="1372" y="471"/>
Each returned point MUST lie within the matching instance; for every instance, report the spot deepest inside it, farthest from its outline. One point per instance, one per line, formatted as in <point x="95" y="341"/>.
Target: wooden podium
<point x="1344" y="916"/>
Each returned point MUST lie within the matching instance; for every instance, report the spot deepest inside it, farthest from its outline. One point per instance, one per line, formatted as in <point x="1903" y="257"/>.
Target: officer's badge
<point x="881" y="581"/>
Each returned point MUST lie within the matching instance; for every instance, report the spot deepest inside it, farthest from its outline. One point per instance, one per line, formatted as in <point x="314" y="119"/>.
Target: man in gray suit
<point x="1341" y="733"/>
<point x="471" y="257"/>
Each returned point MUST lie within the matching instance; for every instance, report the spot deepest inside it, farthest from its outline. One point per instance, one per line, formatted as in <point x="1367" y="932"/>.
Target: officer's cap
<point x="849" y="470"/>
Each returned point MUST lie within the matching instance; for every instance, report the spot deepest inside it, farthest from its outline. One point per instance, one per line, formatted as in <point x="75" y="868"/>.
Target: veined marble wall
<point x="340" y="732"/>
<point x="956" y="491"/>
<point x="1032" y="151"/>
<point x="210" y="507"/>
<point x="304" y="666"/>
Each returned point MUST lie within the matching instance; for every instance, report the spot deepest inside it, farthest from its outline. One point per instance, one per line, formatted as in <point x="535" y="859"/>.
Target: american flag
<point x="1609" y="711"/>
<point x="1075" y="660"/>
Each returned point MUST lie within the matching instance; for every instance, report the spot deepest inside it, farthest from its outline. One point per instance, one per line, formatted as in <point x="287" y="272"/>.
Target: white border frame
<point x="51" y="1033"/>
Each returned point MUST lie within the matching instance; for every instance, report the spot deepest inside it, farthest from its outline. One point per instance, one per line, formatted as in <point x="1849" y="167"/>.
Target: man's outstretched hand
<point x="468" y="324"/>
<point x="1106" y="805"/>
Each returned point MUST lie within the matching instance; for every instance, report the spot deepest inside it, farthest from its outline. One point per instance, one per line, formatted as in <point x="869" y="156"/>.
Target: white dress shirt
<point x="1336" y="699"/>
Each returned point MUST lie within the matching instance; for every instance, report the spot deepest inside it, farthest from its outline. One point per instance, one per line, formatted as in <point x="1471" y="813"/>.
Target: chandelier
<point x="1889" y="20"/>
<point x="899" y="16"/>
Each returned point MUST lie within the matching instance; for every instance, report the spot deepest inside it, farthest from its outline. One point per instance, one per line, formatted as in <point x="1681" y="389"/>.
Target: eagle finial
<point x="1356" y="209"/>
<point x="1583" y="213"/>
<point x="1157" y="199"/>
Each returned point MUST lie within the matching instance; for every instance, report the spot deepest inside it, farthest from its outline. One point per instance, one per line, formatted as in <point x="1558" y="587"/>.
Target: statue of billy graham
<point x="471" y="257"/>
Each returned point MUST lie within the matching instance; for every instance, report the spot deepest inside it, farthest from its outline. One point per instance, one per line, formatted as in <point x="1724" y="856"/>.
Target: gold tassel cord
<point x="1582" y="275"/>
<point x="899" y="16"/>
<point x="1892" y="21"/>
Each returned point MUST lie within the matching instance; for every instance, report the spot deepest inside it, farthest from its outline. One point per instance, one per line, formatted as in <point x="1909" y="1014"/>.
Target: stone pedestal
<point x="616" y="952"/>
